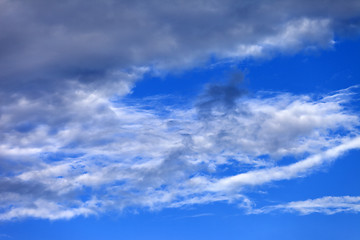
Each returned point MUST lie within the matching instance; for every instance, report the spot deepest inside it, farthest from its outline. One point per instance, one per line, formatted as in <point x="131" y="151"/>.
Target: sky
<point x="179" y="119"/>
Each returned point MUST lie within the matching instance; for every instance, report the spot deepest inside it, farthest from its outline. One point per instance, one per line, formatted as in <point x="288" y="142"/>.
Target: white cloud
<point x="49" y="210"/>
<point x="115" y="155"/>
<point x="290" y="37"/>
<point x="300" y="168"/>
<point x="326" y="205"/>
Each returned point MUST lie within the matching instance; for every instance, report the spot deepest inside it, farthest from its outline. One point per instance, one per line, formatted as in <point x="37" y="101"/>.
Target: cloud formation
<point x="89" y="154"/>
<point x="50" y="39"/>
<point x="70" y="146"/>
<point x="326" y="205"/>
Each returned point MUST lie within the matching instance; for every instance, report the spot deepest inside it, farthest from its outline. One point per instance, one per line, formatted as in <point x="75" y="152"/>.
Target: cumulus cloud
<point x="90" y="154"/>
<point x="326" y="205"/>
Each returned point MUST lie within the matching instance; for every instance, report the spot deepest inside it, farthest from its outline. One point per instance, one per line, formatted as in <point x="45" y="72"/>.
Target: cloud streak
<point x="299" y="168"/>
<point x="326" y="205"/>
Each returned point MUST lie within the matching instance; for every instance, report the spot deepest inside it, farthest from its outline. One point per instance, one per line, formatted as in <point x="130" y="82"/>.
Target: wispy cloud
<point x="197" y="215"/>
<point x="325" y="205"/>
<point x="88" y="154"/>
<point x="300" y="168"/>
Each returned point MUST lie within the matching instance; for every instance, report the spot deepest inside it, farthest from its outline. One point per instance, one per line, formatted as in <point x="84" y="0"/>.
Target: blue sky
<point x="179" y="120"/>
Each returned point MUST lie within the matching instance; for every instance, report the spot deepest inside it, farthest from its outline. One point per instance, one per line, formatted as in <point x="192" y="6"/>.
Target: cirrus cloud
<point x="90" y="155"/>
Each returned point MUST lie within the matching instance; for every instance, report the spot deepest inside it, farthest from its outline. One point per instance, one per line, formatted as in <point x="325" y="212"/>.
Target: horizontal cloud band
<point x="88" y="154"/>
<point x="327" y="205"/>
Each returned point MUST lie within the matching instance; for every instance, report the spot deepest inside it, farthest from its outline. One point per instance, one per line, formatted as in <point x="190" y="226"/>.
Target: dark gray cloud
<point x="26" y="189"/>
<point x="50" y="39"/>
<point x="221" y="97"/>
